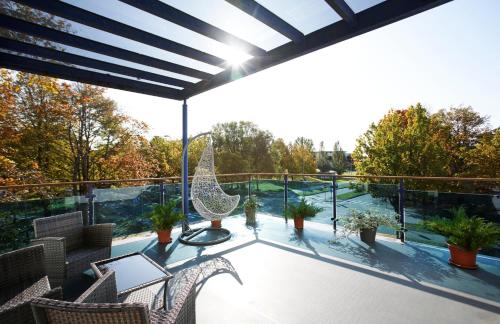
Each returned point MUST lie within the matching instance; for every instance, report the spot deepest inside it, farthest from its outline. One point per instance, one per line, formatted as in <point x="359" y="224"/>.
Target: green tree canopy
<point x="242" y="147"/>
<point x="403" y="142"/>
<point x="324" y="163"/>
<point x="461" y="129"/>
<point x="412" y="142"/>
<point x="339" y="159"/>
<point x="302" y="156"/>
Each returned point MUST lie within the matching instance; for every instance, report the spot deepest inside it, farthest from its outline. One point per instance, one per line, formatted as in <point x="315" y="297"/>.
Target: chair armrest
<point x="55" y="293"/>
<point x="184" y="307"/>
<point x="55" y="258"/>
<point x="102" y="291"/>
<point x="99" y="235"/>
<point x="19" y="311"/>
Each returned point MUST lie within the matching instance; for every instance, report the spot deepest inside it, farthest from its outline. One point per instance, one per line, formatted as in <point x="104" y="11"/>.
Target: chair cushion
<point x="79" y="260"/>
<point x="18" y="294"/>
<point x="150" y="295"/>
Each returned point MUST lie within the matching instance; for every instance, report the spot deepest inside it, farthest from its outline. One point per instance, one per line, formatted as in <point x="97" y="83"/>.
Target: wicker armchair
<point x="91" y="308"/>
<point x="22" y="277"/>
<point x="70" y="246"/>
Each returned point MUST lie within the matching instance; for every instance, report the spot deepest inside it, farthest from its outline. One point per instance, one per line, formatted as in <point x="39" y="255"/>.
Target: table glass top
<point x="132" y="271"/>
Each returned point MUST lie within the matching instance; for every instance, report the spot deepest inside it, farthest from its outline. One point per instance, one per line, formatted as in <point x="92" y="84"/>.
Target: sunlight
<point x="234" y="56"/>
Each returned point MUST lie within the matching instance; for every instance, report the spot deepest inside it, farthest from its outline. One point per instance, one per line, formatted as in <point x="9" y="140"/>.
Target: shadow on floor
<point x="412" y="265"/>
<point x="408" y="283"/>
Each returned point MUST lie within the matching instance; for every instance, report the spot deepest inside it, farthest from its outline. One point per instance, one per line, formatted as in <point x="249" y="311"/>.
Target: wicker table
<point x="133" y="272"/>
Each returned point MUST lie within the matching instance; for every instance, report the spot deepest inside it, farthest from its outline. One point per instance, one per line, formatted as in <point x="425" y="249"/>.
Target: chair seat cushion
<point x="150" y="295"/>
<point x="79" y="260"/>
<point x="14" y="295"/>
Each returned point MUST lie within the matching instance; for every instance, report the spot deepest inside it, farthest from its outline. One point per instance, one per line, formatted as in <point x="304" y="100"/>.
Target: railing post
<point x="249" y="186"/>
<point x="90" y="199"/>
<point x="334" y="199"/>
<point x="285" y="179"/>
<point x="402" y="210"/>
<point x="162" y="193"/>
<point x="185" y="185"/>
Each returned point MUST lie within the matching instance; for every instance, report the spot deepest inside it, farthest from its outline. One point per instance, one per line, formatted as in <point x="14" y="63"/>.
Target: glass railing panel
<point x="425" y="205"/>
<point x="381" y="198"/>
<point x="19" y="208"/>
<point x="270" y="195"/>
<point x="173" y="191"/>
<point x="127" y="207"/>
<point x="317" y="191"/>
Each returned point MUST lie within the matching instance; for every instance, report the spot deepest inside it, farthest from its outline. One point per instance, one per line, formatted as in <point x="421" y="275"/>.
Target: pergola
<point x="178" y="49"/>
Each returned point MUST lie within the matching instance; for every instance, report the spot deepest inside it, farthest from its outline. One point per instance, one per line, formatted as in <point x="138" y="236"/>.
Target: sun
<point x="235" y="57"/>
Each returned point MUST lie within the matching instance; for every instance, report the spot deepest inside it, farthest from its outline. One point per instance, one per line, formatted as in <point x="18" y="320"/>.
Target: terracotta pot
<point x="368" y="235"/>
<point x="250" y="214"/>
<point x="462" y="258"/>
<point x="164" y="237"/>
<point x="299" y="223"/>
<point x="216" y="223"/>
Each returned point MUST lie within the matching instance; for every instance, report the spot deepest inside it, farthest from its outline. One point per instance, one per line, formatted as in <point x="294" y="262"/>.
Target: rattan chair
<point x="98" y="305"/>
<point x="22" y="277"/>
<point x="70" y="246"/>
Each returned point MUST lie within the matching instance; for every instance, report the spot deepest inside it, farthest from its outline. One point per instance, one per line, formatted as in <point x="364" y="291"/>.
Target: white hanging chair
<point x="208" y="198"/>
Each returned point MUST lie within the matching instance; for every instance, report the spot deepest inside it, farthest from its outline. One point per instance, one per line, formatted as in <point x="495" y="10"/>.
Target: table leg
<point x="165" y="295"/>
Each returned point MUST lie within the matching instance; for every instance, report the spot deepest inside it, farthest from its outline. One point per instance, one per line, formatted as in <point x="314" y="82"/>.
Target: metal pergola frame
<point x="18" y="55"/>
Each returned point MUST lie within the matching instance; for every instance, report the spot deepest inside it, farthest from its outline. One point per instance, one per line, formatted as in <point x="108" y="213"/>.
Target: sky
<point x="445" y="57"/>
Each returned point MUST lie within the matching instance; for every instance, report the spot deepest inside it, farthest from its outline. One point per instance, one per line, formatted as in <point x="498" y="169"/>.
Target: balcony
<point x="272" y="273"/>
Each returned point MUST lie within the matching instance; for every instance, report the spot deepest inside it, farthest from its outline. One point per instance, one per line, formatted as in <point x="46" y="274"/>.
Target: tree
<point x="127" y="160"/>
<point x="281" y="156"/>
<point x="302" y="156"/>
<point x="41" y="109"/>
<point x="412" y="142"/>
<point x="242" y="147"/>
<point x="483" y="160"/>
<point x="166" y="156"/>
<point x="97" y="132"/>
<point x="403" y="142"/>
<point x="339" y="159"/>
<point x="324" y="164"/>
<point x="462" y="129"/>
<point x="8" y="122"/>
<point x="65" y="131"/>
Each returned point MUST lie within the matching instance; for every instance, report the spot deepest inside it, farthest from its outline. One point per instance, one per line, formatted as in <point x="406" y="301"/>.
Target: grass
<point x="350" y="195"/>
<point x="267" y="187"/>
<point x="309" y="192"/>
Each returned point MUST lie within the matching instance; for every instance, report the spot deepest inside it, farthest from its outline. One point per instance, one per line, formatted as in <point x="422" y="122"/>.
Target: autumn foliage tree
<point x="413" y="142"/>
<point x="242" y="147"/>
<point x="302" y="156"/>
<point x="66" y="132"/>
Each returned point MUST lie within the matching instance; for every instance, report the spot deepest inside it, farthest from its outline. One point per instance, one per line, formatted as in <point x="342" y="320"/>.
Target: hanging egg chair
<point x="209" y="200"/>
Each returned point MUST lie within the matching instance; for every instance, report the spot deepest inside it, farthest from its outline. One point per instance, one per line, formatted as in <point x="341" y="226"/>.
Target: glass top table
<point x="133" y="272"/>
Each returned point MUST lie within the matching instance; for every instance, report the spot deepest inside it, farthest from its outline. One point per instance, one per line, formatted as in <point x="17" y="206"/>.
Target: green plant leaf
<point x="165" y="216"/>
<point x="469" y="233"/>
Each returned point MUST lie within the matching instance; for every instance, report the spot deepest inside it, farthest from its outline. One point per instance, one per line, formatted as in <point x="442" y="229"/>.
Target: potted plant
<point x="465" y="236"/>
<point x="163" y="218"/>
<point x="366" y="223"/>
<point x="216" y="222"/>
<point x="301" y="210"/>
<point x="250" y="205"/>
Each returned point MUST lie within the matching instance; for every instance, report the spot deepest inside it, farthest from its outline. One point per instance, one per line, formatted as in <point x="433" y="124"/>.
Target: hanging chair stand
<point x="187" y="236"/>
<point x="204" y="174"/>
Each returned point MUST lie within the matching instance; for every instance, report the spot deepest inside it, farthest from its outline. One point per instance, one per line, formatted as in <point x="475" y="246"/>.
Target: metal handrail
<point x="262" y="174"/>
